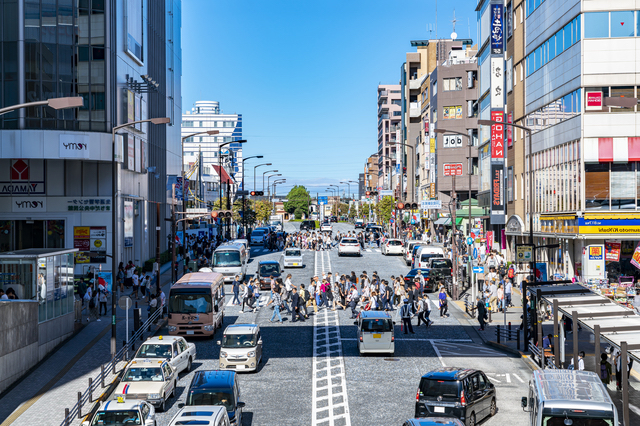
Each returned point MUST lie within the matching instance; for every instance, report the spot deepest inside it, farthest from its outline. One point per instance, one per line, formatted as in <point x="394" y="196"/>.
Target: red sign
<point x="452" y="169"/>
<point x="510" y="130"/>
<point x="490" y="240"/>
<point x="612" y="251"/>
<point x="426" y="126"/>
<point x="19" y="170"/>
<point x="497" y="135"/>
<point x="594" y="100"/>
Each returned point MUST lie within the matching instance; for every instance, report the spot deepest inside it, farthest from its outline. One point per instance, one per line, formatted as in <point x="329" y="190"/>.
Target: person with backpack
<point x="442" y="297"/>
<point x="247" y="295"/>
<point x="353" y="298"/>
<point x="420" y="311"/>
<point x="103" y="300"/>
<point x="304" y="298"/>
<point x="605" y="369"/>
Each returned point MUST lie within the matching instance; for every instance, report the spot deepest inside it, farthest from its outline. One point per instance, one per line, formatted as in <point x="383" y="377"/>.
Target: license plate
<point x="296" y="264"/>
<point x="189" y="331"/>
<point x="438" y="409"/>
<point x="377" y="336"/>
<point x="240" y="367"/>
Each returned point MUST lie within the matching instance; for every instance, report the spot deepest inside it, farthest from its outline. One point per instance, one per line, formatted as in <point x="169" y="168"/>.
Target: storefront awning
<point x="442" y="221"/>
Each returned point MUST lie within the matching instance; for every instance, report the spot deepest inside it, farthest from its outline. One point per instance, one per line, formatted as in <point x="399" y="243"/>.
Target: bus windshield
<point x="187" y="301"/>
<point x="226" y="259"/>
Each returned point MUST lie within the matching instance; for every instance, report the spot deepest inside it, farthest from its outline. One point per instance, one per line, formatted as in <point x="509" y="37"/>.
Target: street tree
<point x="263" y="210"/>
<point x="298" y="201"/>
<point x="384" y="208"/>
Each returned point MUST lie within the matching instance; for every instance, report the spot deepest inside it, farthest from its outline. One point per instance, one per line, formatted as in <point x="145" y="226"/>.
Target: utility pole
<point x="454" y="245"/>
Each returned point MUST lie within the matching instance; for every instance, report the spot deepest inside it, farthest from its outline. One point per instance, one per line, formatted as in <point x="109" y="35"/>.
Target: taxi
<point x="123" y="412"/>
<point x="174" y="349"/>
<point x="149" y="380"/>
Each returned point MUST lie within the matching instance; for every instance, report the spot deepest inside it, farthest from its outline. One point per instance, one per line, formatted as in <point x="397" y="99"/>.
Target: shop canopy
<point x="617" y="323"/>
<point x="446" y="221"/>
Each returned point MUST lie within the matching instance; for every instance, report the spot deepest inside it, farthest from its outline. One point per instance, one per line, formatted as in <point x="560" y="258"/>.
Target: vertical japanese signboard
<point x="497" y="136"/>
<point x="497" y="29"/>
<point x="497" y="194"/>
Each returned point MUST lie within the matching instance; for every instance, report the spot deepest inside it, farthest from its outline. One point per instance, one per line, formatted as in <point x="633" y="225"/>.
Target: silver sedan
<point x="291" y="258"/>
<point x="349" y="246"/>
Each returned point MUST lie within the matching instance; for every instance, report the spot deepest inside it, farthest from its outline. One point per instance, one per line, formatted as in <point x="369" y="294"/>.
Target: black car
<point x="434" y="421"/>
<point x="266" y="270"/>
<point x="359" y="223"/>
<point x="216" y="387"/>
<point x="333" y="219"/>
<point x="408" y="279"/>
<point x="308" y="225"/>
<point x="466" y="394"/>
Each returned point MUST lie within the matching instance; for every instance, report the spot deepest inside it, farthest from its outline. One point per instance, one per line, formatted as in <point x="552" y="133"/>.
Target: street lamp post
<point x="254" y="173"/>
<point x="348" y="189"/>
<point x="531" y="187"/>
<point x="352" y="181"/>
<point x="220" y="179"/>
<point x="114" y="212"/>
<point x="453" y="220"/>
<point x="268" y="179"/>
<point x="337" y="186"/>
<point x="264" y="173"/>
<point x="55" y="103"/>
<point x="402" y="180"/>
<point x="184" y="194"/>
<point x="244" y="222"/>
<point x="276" y="182"/>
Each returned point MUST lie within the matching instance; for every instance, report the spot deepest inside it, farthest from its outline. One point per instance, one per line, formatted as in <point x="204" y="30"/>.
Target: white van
<point x="425" y="253"/>
<point x="408" y="250"/>
<point x="568" y="397"/>
<point x="245" y="243"/>
<point x="230" y="260"/>
<point x="375" y="332"/>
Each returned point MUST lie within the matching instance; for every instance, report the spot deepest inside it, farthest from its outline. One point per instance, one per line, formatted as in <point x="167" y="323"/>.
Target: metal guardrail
<point x="108" y="373"/>
<point x="469" y="307"/>
<point x="548" y="360"/>
<point x="506" y="333"/>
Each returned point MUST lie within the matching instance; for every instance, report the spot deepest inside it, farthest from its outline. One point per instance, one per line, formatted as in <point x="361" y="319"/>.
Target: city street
<point x="380" y="390"/>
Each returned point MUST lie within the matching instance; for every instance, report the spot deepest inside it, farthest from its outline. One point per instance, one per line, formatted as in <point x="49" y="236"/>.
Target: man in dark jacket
<point x="295" y="305"/>
<point x="481" y="311"/>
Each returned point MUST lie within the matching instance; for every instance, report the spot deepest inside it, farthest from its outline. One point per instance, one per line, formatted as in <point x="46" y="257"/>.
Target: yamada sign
<point x="72" y="146"/>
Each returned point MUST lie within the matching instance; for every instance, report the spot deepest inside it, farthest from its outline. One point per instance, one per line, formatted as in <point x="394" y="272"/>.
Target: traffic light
<point x="413" y="206"/>
<point x="374" y="193"/>
<point x="256" y="193"/>
<point x="400" y="206"/>
<point x="221" y="214"/>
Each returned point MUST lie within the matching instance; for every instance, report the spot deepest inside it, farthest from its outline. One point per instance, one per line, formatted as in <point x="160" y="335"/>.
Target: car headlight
<point x="251" y="354"/>
<point x="153" y="396"/>
<point x="223" y="354"/>
<point x="208" y="328"/>
<point x="172" y="328"/>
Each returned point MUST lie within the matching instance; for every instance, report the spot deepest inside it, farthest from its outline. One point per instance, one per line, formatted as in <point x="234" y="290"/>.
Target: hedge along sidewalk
<point x="41" y="396"/>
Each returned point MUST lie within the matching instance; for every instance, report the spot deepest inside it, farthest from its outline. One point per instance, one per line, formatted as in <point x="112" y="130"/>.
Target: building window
<point x="611" y="24"/>
<point x="554" y="45"/>
<point x="562" y="109"/>
<point x="229" y="124"/>
<point x="510" y="184"/>
<point x="452" y="112"/>
<point x="187" y="124"/>
<point x="452" y="84"/>
<point x="532" y="5"/>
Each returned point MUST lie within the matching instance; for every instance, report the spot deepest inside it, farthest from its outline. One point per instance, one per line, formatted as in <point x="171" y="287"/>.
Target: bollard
<point x="509" y="330"/>
<point x="498" y="332"/>
<point x="66" y="417"/>
<point x="489" y="313"/>
<point x="518" y="339"/>
<point x="90" y="389"/>
<point x="79" y="405"/>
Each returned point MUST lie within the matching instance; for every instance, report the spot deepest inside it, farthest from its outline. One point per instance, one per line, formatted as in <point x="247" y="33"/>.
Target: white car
<point x="241" y="348"/>
<point x="174" y="349"/>
<point x="326" y="227"/>
<point x="212" y="415"/>
<point x="123" y="412"/>
<point x="349" y="246"/>
<point x="150" y="380"/>
<point x="392" y="246"/>
<point x="292" y="257"/>
<point x="257" y="236"/>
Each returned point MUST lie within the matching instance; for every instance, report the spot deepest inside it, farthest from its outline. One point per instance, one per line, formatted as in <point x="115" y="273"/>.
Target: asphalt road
<point x="350" y="389"/>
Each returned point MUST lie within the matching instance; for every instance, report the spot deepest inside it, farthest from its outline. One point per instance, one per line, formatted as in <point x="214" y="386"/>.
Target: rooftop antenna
<point x="454" y="35"/>
<point x="469" y="25"/>
<point x="430" y="29"/>
<point x="436" y="19"/>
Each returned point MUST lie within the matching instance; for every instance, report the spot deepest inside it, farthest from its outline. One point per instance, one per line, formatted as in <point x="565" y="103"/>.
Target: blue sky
<point x="304" y="74"/>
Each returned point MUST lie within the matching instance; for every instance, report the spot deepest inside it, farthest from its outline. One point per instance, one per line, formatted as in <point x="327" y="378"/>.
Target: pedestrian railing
<point x="108" y="373"/>
<point x="506" y="333"/>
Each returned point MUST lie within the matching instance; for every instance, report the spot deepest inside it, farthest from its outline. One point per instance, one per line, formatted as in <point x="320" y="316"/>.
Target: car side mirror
<point x="216" y="308"/>
<point x="523" y="403"/>
<point x="355" y="323"/>
<point x="180" y="404"/>
<point x="241" y="404"/>
<point x="149" y="423"/>
<point x="260" y="341"/>
<point x="218" y="342"/>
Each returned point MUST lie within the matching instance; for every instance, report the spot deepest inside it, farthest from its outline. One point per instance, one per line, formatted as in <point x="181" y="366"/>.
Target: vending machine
<point x="593" y="262"/>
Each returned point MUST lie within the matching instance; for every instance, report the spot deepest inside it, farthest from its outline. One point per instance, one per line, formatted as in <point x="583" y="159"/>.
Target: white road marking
<point x="409" y="339"/>
<point x="368" y="250"/>
<point x="452" y="349"/>
<point x="634" y="409"/>
<point x="329" y="397"/>
<point x="518" y="377"/>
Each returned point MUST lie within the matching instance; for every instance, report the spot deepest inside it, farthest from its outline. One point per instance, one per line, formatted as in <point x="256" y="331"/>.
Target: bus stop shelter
<point x="612" y="322"/>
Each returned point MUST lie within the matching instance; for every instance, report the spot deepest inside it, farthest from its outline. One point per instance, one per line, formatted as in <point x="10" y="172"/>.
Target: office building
<point x="205" y="116"/>
<point x="389" y="118"/>
<point x="371" y="174"/>
<point x="55" y="166"/>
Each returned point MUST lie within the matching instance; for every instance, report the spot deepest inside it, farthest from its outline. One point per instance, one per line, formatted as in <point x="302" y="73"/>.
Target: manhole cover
<point x="392" y="359"/>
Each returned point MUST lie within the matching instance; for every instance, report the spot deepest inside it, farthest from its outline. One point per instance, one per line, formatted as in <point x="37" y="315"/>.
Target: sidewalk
<point x="41" y="396"/>
<point x="586" y="344"/>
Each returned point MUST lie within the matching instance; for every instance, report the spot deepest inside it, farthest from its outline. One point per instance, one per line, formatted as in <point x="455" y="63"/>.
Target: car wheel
<point x="189" y="365"/>
<point x="493" y="408"/>
<point x="162" y="406"/>
<point x="471" y="420"/>
<point x="173" y="392"/>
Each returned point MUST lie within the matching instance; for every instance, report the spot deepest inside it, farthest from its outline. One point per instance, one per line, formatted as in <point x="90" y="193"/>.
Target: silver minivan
<point x="230" y="260"/>
<point x="375" y="332"/>
<point x="241" y="347"/>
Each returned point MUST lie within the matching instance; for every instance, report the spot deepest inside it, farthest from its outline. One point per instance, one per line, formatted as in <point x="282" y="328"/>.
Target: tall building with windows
<point x="123" y="59"/>
<point x="371" y="174"/>
<point x="389" y="118"/>
<point x="205" y="116"/>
